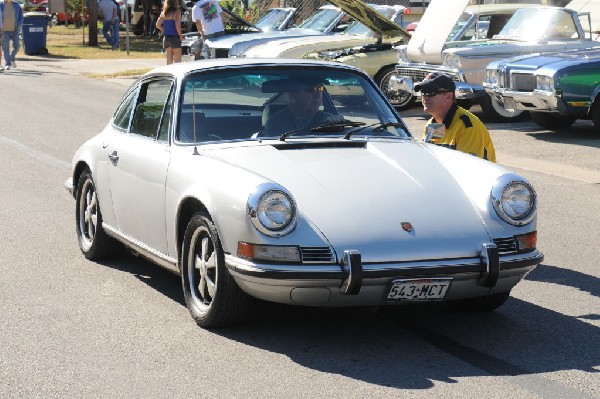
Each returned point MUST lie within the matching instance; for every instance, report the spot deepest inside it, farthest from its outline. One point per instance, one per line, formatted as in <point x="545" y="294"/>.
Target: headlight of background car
<point x="545" y="83"/>
<point x="490" y="77"/>
<point x="514" y="200"/>
<point x="452" y="60"/>
<point x="402" y="54"/>
<point x="272" y="211"/>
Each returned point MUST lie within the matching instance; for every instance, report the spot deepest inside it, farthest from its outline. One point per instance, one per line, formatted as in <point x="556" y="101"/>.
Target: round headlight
<point x="452" y="60"/>
<point x="514" y="200"/>
<point x="273" y="212"/>
<point x="402" y="54"/>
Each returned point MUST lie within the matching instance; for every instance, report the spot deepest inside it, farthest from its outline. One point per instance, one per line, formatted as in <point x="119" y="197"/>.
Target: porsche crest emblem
<point x="406" y="226"/>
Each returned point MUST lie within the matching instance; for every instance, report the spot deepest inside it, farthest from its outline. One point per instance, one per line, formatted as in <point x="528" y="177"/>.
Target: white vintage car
<point x="217" y="171"/>
<point x="530" y="29"/>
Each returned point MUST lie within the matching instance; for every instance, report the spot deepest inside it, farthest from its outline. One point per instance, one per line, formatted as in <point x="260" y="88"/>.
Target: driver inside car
<point x="303" y="110"/>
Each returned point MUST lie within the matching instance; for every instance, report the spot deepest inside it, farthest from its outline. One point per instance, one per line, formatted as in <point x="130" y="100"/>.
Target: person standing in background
<point x="12" y="20"/>
<point x="108" y="10"/>
<point x="208" y="16"/>
<point x="116" y="27"/>
<point x="1" y="67"/>
<point x="169" y="23"/>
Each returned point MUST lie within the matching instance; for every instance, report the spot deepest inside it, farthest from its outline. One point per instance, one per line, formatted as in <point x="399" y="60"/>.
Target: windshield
<point x="321" y="20"/>
<point x="533" y="24"/>
<point x="460" y="24"/>
<point x="251" y="103"/>
<point x="273" y="20"/>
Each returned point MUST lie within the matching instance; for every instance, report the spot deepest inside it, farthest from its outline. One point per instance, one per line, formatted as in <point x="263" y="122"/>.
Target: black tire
<point x="211" y="295"/>
<point x="495" y="112"/>
<point x="481" y="303"/>
<point x="94" y="243"/>
<point x="552" y="121"/>
<point x="401" y="100"/>
<point x="596" y="115"/>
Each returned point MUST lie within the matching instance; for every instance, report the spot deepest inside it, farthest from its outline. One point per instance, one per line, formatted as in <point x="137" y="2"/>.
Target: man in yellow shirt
<point x="463" y="130"/>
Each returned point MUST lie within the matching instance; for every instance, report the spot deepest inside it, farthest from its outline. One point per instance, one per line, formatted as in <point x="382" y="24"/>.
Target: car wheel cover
<point x="88" y="214"/>
<point x="397" y="99"/>
<point x="503" y="112"/>
<point x="202" y="267"/>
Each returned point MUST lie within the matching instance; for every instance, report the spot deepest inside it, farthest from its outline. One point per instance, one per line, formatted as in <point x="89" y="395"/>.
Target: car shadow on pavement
<point x="581" y="133"/>
<point x="412" y="347"/>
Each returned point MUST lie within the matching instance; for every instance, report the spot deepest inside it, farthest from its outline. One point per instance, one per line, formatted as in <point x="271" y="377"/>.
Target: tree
<point x="93" y="25"/>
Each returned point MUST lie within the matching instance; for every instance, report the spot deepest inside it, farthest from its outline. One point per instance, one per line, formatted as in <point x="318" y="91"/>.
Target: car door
<point x="139" y="162"/>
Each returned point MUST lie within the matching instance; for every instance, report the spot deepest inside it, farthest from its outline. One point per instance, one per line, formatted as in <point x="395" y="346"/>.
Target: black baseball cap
<point x="436" y="81"/>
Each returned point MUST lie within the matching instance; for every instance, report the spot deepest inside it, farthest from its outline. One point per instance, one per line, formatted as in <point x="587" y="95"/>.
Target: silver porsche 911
<point x="296" y="182"/>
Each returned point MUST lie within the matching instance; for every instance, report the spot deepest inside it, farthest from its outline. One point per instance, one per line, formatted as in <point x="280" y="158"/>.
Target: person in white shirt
<point x="208" y="16"/>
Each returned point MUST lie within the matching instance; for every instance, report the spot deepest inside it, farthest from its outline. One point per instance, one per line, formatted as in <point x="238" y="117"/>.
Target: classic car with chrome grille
<point x="557" y="89"/>
<point x="253" y="178"/>
<point x="555" y="29"/>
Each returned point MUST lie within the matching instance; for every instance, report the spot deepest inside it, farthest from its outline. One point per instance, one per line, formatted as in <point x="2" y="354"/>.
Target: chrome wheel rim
<point x="397" y="99"/>
<point x="202" y="267"/>
<point x="88" y="214"/>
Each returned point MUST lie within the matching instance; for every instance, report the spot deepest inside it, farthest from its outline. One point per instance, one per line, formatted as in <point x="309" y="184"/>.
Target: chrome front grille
<point x="522" y="82"/>
<point x="316" y="255"/>
<point x="506" y="245"/>
<point x="417" y="75"/>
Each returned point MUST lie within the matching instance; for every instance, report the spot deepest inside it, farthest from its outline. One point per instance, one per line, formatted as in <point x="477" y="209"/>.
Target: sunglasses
<point x="434" y="93"/>
<point x="313" y="89"/>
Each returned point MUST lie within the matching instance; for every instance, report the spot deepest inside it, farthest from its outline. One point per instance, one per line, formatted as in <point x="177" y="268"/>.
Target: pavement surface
<point x="86" y="67"/>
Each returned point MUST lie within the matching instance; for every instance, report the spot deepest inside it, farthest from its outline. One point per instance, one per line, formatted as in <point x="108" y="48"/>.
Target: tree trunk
<point x="93" y="25"/>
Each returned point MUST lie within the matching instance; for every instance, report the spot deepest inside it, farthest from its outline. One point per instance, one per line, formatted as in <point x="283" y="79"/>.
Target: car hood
<point x="235" y="20"/>
<point x="380" y="185"/>
<point x="370" y="17"/>
<point x="533" y="62"/>
<point x="428" y="39"/>
<point x="280" y="48"/>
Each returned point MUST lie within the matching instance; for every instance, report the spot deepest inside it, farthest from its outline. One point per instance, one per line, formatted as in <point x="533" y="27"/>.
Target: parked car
<point x="371" y="24"/>
<point x="381" y="61"/>
<point x="556" y="88"/>
<point x="326" y="20"/>
<point x="554" y="29"/>
<point x="361" y="37"/>
<point x="185" y="175"/>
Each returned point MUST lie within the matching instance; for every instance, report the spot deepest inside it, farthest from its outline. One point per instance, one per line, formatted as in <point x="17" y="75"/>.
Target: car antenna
<point x="194" y="117"/>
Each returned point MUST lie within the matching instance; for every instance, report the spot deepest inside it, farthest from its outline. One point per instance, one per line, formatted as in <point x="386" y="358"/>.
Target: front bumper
<point x="407" y="75"/>
<point x="524" y="100"/>
<point x="353" y="283"/>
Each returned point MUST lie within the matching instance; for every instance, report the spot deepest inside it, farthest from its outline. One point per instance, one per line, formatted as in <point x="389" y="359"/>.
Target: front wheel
<point x="496" y="112"/>
<point x="552" y="121"/>
<point x="93" y="240"/>
<point x="481" y="303"/>
<point x="400" y="100"/>
<point x="211" y="295"/>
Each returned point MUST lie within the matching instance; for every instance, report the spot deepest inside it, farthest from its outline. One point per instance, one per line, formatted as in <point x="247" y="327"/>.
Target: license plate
<point x="419" y="289"/>
<point x="510" y="103"/>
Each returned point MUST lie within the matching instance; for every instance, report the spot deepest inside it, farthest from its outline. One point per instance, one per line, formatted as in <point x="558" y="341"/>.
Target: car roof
<point x="181" y="69"/>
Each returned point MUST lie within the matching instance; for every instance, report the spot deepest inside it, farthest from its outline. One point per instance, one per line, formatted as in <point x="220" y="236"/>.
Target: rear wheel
<point x="400" y="100"/>
<point x="481" y="303"/>
<point x="552" y="121"/>
<point x="93" y="240"/>
<point x="211" y="295"/>
<point x="496" y="112"/>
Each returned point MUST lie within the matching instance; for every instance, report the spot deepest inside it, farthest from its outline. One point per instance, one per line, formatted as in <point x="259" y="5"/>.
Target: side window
<point x="150" y="108"/>
<point x="163" y="133"/>
<point x="123" y="113"/>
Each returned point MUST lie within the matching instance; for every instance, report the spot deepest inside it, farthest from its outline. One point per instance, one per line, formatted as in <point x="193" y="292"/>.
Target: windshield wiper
<point x="326" y="127"/>
<point x="377" y="126"/>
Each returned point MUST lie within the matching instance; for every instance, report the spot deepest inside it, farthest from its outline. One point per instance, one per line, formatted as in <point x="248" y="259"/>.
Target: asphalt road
<point x="71" y="328"/>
